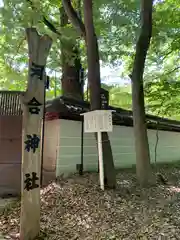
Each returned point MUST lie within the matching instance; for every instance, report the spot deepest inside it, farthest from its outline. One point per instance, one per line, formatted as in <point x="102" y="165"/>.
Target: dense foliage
<point x="116" y="26"/>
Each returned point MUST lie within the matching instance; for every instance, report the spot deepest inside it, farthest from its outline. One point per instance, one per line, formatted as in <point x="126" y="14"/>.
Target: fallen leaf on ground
<point x="75" y="208"/>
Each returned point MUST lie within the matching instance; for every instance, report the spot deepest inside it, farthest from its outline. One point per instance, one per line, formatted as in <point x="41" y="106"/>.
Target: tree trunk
<point x="71" y="86"/>
<point x="32" y="103"/>
<point x="143" y="167"/>
<point x="95" y="89"/>
<point x="71" y="65"/>
<point x="87" y="31"/>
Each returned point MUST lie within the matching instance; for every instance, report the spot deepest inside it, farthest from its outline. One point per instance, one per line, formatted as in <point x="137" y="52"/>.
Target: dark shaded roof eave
<point x="120" y="117"/>
<point x="120" y="111"/>
<point x="72" y="108"/>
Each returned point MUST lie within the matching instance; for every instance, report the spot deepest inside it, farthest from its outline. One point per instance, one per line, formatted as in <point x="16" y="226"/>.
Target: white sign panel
<point x="98" y="121"/>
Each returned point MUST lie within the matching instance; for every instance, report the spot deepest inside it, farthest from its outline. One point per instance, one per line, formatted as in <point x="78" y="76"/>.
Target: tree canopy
<point x="116" y="24"/>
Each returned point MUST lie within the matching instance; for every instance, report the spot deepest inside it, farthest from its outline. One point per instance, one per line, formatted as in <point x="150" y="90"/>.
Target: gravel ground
<point x="75" y="208"/>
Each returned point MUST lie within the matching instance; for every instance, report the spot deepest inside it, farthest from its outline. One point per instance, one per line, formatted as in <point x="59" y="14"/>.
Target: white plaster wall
<point x="122" y="142"/>
<point x="51" y="145"/>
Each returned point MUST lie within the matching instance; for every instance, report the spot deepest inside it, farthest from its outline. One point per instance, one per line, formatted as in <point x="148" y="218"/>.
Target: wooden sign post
<point x="104" y="94"/>
<point x="32" y="103"/>
<point x="99" y="121"/>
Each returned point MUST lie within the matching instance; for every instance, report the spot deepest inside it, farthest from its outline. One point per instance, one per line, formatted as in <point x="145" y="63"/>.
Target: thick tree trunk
<point x="88" y="32"/>
<point x="71" y="85"/>
<point x="95" y="89"/>
<point x="143" y="167"/>
<point x="109" y="169"/>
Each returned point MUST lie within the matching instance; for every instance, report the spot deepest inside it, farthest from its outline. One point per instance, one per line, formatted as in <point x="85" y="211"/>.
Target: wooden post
<point x="101" y="166"/>
<point x="32" y="103"/>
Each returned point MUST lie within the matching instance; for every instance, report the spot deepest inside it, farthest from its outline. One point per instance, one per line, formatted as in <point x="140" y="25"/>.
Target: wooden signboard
<point x="99" y="121"/>
<point x="32" y="103"/>
<point x="104" y="99"/>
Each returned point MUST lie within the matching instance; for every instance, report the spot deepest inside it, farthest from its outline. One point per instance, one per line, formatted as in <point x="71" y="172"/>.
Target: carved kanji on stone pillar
<point x="32" y="103"/>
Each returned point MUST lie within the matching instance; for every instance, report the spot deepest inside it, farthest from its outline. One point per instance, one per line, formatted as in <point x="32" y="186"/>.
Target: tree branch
<point x="17" y="52"/>
<point x="46" y="21"/>
<point x="167" y="54"/>
<point x="143" y="40"/>
<point x="50" y="26"/>
<point x="73" y="17"/>
<point x="167" y="73"/>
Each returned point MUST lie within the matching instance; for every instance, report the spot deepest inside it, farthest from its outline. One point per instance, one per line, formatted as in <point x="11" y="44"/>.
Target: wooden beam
<point x="32" y="103"/>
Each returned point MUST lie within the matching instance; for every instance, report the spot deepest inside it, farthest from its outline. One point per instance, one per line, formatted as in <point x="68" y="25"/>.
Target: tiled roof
<point x="10" y="103"/>
<point x="120" y="116"/>
<point x="71" y="109"/>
